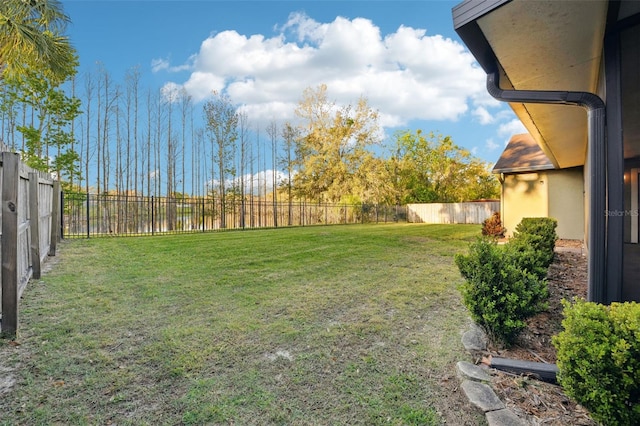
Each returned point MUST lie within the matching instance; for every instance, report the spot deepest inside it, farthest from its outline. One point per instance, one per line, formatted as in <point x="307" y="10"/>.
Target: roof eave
<point x="465" y="16"/>
<point x="564" y="147"/>
<point x="514" y="170"/>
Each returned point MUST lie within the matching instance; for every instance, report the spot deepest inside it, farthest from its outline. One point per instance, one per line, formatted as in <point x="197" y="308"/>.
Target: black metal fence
<point x="89" y="215"/>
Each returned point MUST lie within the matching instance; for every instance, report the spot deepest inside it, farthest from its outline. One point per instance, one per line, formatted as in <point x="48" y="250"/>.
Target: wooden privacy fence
<point x="30" y="231"/>
<point x="471" y="212"/>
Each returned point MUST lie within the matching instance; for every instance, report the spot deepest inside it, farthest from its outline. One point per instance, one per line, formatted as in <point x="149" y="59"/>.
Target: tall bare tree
<point x="243" y="130"/>
<point x="132" y="78"/>
<point x="87" y="152"/>
<point x="289" y="136"/>
<point x="170" y="98"/>
<point x="149" y="145"/>
<point x="159" y="131"/>
<point x="272" y="131"/>
<point x="186" y="108"/>
<point x="221" y="121"/>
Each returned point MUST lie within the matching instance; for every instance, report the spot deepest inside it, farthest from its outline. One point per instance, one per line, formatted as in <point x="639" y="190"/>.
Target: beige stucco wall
<point x="566" y="202"/>
<point x="557" y="193"/>
<point x="523" y="195"/>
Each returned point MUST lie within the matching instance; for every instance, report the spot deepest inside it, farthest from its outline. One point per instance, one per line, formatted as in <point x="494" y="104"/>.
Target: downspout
<point x="597" y="168"/>
<point x="501" y="179"/>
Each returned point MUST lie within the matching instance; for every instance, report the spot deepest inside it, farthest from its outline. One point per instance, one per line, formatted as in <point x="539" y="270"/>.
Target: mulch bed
<point x="544" y="403"/>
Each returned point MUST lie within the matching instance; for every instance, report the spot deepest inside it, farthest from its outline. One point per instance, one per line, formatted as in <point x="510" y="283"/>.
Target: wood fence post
<point x="9" y="242"/>
<point x="34" y="224"/>
<point x="55" y="218"/>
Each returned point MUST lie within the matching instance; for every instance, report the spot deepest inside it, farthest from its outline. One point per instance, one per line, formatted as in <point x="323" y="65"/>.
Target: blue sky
<point x="403" y="56"/>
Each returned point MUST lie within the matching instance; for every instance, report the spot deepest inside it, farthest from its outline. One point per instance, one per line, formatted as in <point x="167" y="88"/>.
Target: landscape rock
<point x="474" y="340"/>
<point x="470" y="371"/>
<point x="504" y="418"/>
<point x="482" y="396"/>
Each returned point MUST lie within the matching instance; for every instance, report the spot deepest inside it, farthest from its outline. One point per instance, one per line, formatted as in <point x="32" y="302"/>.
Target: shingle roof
<point x="522" y="154"/>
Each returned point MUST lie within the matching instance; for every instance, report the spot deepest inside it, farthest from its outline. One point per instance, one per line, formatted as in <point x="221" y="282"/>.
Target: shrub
<point x="599" y="359"/>
<point x="527" y="257"/>
<point x="499" y="294"/>
<point x="538" y="233"/>
<point x="492" y="226"/>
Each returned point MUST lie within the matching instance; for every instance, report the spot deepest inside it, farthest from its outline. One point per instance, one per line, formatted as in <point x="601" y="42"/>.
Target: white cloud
<point x="483" y="116"/>
<point x="511" y="128"/>
<point x="255" y="183"/>
<point x="171" y="91"/>
<point x="491" y="145"/>
<point x="159" y="65"/>
<point x="406" y="75"/>
<point x="303" y="27"/>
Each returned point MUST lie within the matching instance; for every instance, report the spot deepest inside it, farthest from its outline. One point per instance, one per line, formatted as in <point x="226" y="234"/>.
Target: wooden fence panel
<point x="27" y="222"/>
<point x="471" y="212"/>
<point x="24" y="259"/>
<point x="45" y="211"/>
<point x="10" y="169"/>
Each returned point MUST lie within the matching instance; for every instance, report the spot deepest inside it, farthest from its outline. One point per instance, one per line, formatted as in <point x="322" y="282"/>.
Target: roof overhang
<point x="542" y="45"/>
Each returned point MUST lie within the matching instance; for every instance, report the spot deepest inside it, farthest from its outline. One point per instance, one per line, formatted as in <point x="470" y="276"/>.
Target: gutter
<point x="597" y="156"/>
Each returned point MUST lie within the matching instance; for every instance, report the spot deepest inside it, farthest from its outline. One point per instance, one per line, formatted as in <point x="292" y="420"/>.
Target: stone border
<point x="476" y="383"/>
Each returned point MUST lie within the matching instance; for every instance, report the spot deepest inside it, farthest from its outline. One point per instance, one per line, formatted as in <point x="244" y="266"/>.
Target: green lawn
<point x="300" y="326"/>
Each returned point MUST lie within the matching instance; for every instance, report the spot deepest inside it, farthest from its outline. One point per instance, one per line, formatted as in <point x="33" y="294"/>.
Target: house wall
<point x="631" y="219"/>
<point x="566" y="202"/>
<point x="524" y="195"/>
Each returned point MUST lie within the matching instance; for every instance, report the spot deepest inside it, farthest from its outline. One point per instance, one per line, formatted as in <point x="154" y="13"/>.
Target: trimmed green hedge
<point x="498" y="292"/>
<point x="599" y="359"/>
<point x="539" y="234"/>
<point x="507" y="284"/>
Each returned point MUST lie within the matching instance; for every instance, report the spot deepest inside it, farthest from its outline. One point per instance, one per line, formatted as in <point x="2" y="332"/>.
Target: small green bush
<point x="499" y="294"/>
<point x="599" y="359"/>
<point x="527" y="257"/>
<point x="538" y="233"/>
<point x="492" y="226"/>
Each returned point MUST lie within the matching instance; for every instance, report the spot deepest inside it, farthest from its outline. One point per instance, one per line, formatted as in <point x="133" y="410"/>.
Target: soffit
<point x="550" y="45"/>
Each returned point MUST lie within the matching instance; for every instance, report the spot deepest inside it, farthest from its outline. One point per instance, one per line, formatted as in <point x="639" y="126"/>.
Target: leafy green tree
<point x="375" y="182"/>
<point x="431" y="168"/>
<point x="31" y="38"/>
<point x="48" y="137"/>
<point x="332" y="146"/>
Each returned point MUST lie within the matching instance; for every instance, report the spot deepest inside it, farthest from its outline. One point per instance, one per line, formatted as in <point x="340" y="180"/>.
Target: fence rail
<point x="94" y="215"/>
<point x="471" y="212"/>
<point x="30" y="223"/>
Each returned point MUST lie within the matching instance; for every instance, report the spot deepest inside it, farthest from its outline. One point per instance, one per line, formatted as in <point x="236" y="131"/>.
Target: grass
<point x="303" y="326"/>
